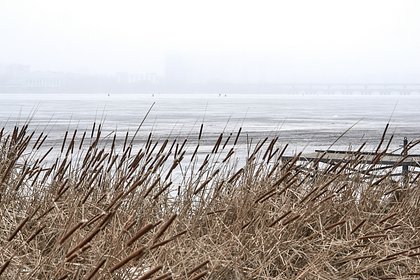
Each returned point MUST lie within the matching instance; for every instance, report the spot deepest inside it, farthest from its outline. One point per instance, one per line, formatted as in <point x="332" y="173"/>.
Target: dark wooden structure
<point x="374" y="161"/>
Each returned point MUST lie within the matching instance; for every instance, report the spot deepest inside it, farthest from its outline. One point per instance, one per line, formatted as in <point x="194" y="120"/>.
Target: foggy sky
<point x="368" y="41"/>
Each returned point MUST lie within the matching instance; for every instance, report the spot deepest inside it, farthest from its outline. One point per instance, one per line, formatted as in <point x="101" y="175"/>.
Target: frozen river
<point x="304" y="121"/>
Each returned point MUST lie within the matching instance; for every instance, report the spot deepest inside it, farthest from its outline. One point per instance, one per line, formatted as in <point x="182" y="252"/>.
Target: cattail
<point x="98" y="135"/>
<point x="93" y="220"/>
<point x="197" y="267"/>
<point x="269" y="148"/>
<point x="5" y="265"/>
<point x="114" y="201"/>
<point x="229" y="154"/>
<point x="131" y="221"/>
<point x="291" y="182"/>
<point x="160" y="244"/>
<point x="291" y="220"/>
<point x="335" y="225"/>
<point x="21" y="224"/>
<point x="235" y="176"/>
<point x="133" y="255"/>
<point x="96" y="269"/>
<point x="414" y="254"/>
<point x="85" y="198"/>
<point x="279" y="181"/>
<point x="179" y="234"/>
<point x="382" y="138"/>
<point x="137" y="159"/>
<point x="124" y="157"/>
<point x="36" y="142"/>
<point x="216" y="146"/>
<point x="148" y="142"/>
<point x="149" y="273"/>
<point x="200" y="133"/>
<point x="415" y="247"/>
<point x="265" y="195"/>
<point x="280" y="218"/>
<point x="282" y="151"/>
<point x="329" y="182"/>
<point x="391" y="227"/>
<point x="125" y="141"/>
<point x="387" y="218"/>
<point x="83" y="242"/>
<point x="164" y="227"/>
<point x="71" y="146"/>
<point x="248" y="224"/>
<point x="205" y="162"/>
<point x="259" y="146"/>
<point x="111" y="163"/>
<point x="174" y="165"/>
<point x="45" y="213"/>
<point x="33" y="235"/>
<point x="162" y="190"/>
<point x="93" y="130"/>
<point x="202" y="186"/>
<point x="62" y="191"/>
<point x="140" y="233"/>
<point x="226" y="142"/>
<point x="237" y="136"/>
<point x="308" y="195"/>
<point x="7" y="173"/>
<point x="76" y="254"/>
<point x="63" y="277"/>
<point x="82" y="140"/>
<point x="327" y="198"/>
<point x="195" y="152"/>
<point x="199" y="276"/>
<point x="137" y="183"/>
<point x="397" y="254"/>
<point x="22" y="177"/>
<point x="112" y="146"/>
<point x="70" y="232"/>
<point x="151" y="187"/>
<point x="358" y="226"/>
<point x="182" y="146"/>
<point x="272" y="154"/>
<point x="164" y="276"/>
<point x="64" y="142"/>
<point x="292" y="163"/>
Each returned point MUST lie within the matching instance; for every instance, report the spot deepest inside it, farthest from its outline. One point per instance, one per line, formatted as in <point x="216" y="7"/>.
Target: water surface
<point x="304" y="121"/>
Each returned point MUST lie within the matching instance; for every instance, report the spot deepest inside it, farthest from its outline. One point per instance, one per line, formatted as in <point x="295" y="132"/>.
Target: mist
<point x="211" y="42"/>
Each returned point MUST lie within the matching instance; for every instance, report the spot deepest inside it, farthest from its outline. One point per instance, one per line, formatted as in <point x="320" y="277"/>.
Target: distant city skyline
<point x="268" y="41"/>
<point x="21" y="78"/>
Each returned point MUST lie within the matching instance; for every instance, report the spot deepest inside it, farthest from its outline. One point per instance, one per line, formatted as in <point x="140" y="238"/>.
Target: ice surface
<point x="304" y="121"/>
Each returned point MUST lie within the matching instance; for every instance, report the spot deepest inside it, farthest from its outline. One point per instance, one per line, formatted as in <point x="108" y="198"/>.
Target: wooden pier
<point x="372" y="161"/>
<point x="334" y="157"/>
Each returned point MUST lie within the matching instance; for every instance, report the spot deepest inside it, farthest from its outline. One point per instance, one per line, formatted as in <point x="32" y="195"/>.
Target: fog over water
<point x="210" y="42"/>
<point x="104" y="50"/>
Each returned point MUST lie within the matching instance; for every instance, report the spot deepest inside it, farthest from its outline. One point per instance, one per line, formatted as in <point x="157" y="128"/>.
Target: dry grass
<point x="95" y="209"/>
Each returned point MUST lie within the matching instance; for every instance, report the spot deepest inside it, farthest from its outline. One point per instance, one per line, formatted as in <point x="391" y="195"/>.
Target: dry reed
<point x="127" y="211"/>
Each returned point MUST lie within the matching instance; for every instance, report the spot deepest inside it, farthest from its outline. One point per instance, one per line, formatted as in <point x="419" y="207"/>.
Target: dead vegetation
<point x="87" y="209"/>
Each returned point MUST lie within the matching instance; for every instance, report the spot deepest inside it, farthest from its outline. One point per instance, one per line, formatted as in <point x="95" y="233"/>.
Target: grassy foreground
<point x="90" y="208"/>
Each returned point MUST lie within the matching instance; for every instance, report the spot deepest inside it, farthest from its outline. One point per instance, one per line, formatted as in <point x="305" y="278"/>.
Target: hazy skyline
<point x="234" y="41"/>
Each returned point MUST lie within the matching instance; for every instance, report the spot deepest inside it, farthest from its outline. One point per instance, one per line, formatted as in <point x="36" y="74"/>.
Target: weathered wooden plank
<point x="365" y="158"/>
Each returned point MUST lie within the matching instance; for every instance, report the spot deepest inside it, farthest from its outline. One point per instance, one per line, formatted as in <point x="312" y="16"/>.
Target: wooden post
<point x="404" y="165"/>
